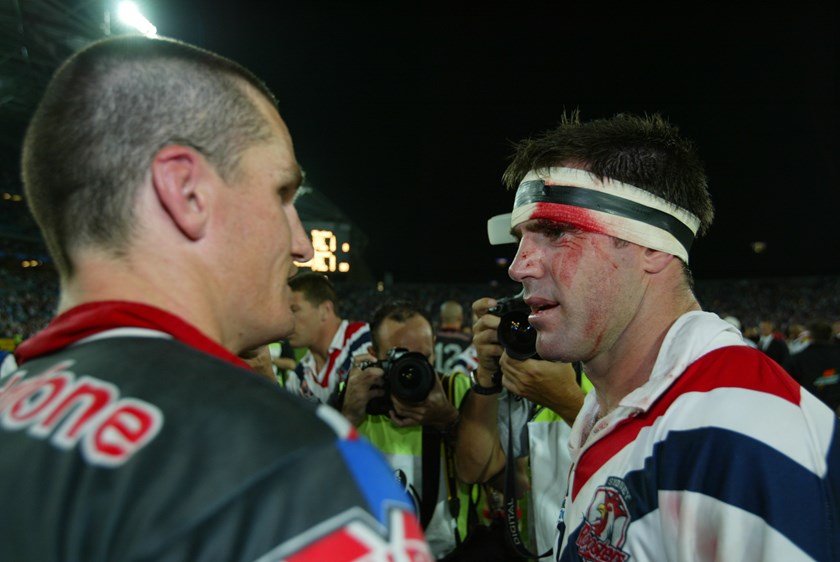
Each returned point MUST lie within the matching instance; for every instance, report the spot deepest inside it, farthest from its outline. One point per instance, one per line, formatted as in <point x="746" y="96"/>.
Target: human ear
<point x="177" y="174"/>
<point x="655" y="260"/>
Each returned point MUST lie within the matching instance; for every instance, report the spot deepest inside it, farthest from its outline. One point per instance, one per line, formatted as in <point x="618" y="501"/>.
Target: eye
<point x="553" y="230"/>
<point x="286" y="193"/>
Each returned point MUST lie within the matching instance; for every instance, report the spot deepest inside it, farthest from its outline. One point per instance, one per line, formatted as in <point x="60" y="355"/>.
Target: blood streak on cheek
<point x="584" y="219"/>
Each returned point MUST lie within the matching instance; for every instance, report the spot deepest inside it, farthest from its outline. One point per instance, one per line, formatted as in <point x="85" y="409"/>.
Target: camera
<point x="515" y="333"/>
<point x="408" y="376"/>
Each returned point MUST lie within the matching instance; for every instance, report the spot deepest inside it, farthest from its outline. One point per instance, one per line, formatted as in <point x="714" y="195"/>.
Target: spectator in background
<point x="737" y="324"/>
<point x="772" y="342"/>
<point x="450" y="338"/>
<point x="331" y="341"/>
<point x="417" y="436"/>
<point x="817" y="366"/>
<point x="163" y="180"/>
<point x="798" y="337"/>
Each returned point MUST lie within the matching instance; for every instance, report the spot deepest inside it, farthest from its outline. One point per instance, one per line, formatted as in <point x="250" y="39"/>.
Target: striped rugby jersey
<point x="351" y="338"/>
<point x="721" y="455"/>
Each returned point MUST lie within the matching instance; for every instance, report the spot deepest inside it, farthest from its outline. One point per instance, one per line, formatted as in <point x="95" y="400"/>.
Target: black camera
<point x="408" y="376"/>
<point x="515" y="333"/>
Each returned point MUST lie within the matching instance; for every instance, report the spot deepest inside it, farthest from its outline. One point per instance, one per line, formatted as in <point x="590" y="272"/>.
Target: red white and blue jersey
<point x="721" y="455"/>
<point x="351" y="339"/>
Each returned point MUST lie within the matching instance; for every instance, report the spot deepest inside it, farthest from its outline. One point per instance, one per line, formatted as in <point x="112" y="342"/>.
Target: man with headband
<point x="693" y="446"/>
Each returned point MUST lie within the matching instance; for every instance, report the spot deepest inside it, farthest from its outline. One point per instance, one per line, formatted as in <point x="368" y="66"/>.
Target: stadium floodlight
<point x="130" y="15"/>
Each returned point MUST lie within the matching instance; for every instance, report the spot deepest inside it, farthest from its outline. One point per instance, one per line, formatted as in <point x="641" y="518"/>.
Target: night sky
<point x="403" y="116"/>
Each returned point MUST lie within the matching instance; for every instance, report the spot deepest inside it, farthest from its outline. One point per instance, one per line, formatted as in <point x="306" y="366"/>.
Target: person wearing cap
<point x="666" y="464"/>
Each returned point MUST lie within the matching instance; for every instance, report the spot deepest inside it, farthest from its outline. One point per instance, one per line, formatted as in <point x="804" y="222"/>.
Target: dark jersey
<point x="136" y="446"/>
<point x="817" y="368"/>
<point x="448" y="346"/>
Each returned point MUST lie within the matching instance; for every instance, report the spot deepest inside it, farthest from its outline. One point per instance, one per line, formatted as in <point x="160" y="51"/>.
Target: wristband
<point x="486" y="390"/>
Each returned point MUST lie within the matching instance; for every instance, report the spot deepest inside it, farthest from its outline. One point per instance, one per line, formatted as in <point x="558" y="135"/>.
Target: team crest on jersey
<point x="605" y="528"/>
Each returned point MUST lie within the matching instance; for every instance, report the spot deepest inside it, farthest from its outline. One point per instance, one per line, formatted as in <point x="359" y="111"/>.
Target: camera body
<point x="408" y="376"/>
<point x="515" y="333"/>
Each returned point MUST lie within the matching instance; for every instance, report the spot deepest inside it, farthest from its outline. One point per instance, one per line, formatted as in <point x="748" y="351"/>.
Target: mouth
<point x="539" y="306"/>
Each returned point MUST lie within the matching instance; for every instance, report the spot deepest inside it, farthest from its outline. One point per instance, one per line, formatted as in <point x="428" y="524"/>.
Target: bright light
<point x="130" y="15"/>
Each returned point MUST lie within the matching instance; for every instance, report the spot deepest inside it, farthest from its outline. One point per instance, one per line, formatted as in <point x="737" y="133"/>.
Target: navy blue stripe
<point x="746" y="473"/>
<point x="535" y="191"/>
<point x="833" y="479"/>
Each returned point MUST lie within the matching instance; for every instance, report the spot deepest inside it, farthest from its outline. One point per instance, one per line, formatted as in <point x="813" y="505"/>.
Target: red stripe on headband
<point x="583" y="219"/>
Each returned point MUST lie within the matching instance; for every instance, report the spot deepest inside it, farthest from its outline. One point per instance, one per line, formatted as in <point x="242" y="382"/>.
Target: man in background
<point x="331" y="341"/>
<point x="817" y="366"/>
<point x="450" y="338"/>
<point x="772" y="342"/>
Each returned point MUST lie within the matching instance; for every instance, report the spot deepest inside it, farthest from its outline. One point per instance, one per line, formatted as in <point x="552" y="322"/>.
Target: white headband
<point x="610" y="207"/>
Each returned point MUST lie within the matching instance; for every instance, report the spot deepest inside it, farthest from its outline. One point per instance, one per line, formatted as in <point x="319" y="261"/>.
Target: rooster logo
<point x="605" y="528"/>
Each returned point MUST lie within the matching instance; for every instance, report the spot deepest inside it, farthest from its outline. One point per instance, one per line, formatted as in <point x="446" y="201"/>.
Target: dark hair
<point x="398" y="310"/>
<point x="645" y="151"/>
<point x="107" y="111"/>
<point x="316" y="288"/>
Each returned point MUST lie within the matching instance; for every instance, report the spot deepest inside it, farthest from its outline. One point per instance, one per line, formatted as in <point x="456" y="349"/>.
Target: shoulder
<point x="740" y="367"/>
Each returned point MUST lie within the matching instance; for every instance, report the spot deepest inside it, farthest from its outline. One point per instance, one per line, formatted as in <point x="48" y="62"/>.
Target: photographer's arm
<point x="362" y="385"/>
<point x="478" y="451"/>
<point x="546" y="383"/>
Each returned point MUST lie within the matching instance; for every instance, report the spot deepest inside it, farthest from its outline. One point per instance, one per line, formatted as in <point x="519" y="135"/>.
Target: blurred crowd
<point x="28" y="298"/>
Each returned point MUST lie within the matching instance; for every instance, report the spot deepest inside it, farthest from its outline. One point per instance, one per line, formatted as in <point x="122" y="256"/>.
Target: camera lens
<point x="517" y="335"/>
<point x="411" y="378"/>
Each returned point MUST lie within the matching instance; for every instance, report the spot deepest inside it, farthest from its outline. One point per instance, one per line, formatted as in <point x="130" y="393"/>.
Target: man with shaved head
<point x="163" y="180"/>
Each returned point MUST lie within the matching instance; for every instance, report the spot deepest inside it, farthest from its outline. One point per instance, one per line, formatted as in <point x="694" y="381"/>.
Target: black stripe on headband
<point x="535" y="191"/>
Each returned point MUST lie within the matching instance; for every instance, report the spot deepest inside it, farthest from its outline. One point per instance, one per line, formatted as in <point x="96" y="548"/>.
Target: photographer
<point x="410" y="432"/>
<point x="536" y="400"/>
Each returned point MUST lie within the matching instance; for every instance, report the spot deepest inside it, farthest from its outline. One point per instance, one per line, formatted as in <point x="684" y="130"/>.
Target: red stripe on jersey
<point x="351" y="330"/>
<point x="728" y="367"/>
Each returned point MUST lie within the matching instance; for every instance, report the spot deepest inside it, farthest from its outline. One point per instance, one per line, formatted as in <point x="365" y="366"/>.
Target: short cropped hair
<point x="107" y="111"/>
<point x="398" y="310"/>
<point x="645" y="151"/>
<point x="315" y="287"/>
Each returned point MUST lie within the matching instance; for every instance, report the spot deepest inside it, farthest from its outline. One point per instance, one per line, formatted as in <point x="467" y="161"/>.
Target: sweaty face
<point x="264" y="237"/>
<point x="307" y="321"/>
<point x="415" y="334"/>
<point x="582" y="287"/>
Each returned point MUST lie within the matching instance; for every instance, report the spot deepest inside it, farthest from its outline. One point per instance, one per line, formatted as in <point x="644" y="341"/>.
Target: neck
<point x="628" y="365"/>
<point x="321" y="349"/>
<point x="99" y="278"/>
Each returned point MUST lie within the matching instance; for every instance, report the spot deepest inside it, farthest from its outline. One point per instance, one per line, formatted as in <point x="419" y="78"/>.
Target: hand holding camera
<point x="363" y="385"/>
<point x="407" y="375"/>
<point x="515" y="333"/>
